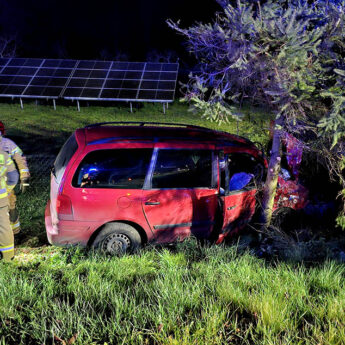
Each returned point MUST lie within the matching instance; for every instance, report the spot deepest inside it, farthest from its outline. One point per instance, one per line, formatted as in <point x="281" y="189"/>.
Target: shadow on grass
<point x="39" y="140"/>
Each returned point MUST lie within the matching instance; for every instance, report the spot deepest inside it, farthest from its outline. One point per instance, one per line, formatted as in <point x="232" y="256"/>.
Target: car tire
<point x="117" y="239"/>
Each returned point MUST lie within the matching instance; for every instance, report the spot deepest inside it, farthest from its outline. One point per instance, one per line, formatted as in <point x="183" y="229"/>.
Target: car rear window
<point x="64" y="156"/>
<point x="113" y="168"/>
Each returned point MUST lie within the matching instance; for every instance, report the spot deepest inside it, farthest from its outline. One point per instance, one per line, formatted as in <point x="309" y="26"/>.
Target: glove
<point x="24" y="184"/>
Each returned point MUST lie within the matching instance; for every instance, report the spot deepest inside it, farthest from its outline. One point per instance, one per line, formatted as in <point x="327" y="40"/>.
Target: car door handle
<point x="231" y="207"/>
<point x="152" y="203"/>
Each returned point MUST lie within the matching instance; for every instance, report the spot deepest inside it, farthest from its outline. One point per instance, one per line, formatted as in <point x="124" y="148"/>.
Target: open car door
<point x="241" y="173"/>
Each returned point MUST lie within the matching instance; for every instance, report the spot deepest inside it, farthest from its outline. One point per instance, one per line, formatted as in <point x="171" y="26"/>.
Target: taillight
<point x="64" y="207"/>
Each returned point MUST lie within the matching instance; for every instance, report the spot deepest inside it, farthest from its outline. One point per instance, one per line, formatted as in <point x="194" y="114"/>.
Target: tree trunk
<point x="272" y="175"/>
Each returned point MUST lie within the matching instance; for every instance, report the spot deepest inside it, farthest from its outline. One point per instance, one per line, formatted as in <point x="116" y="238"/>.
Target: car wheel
<point x="117" y="239"/>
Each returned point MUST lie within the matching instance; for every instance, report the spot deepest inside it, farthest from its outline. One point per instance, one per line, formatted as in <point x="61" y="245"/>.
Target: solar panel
<point x="52" y="92"/>
<point x="88" y="79"/>
<point x="68" y="63"/>
<point x="73" y="92"/>
<point x="154" y="67"/>
<point x="98" y="74"/>
<point x="103" y="65"/>
<point x="57" y="82"/>
<point x="4" y="61"/>
<point x="116" y="74"/>
<point x="146" y="94"/>
<point x="94" y="83"/>
<point x="86" y="64"/>
<point x="77" y="82"/>
<point x="33" y="62"/>
<point x="5" y="79"/>
<point x="51" y="63"/>
<point x="119" y="65"/>
<point x="113" y="84"/>
<point x="90" y="93"/>
<point x="14" y="90"/>
<point x="34" y="90"/>
<point x="16" y="62"/>
<point x="82" y="73"/>
<point x="109" y="94"/>
<point x="149" y="84"/>
<point x="46" y="72"/>
<point x="20" y="80"/>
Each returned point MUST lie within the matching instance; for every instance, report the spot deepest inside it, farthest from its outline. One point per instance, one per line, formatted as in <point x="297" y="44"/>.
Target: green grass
<point x="43" y="129"/>
<point x="31" y="206"/>
<point x="184" y="294"/>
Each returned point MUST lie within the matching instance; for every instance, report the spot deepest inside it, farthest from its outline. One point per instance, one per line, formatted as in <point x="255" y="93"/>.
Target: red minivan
<point x="116" y="186"/>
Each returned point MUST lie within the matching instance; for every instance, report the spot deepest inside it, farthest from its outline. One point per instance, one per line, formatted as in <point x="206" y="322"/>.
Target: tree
<point x="278" y="53"/>
<point x="166" y="56"/>
<point x="8" y="46"/>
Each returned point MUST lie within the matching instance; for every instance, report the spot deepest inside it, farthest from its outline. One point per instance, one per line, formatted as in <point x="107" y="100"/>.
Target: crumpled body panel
<point x="290" y="194"/>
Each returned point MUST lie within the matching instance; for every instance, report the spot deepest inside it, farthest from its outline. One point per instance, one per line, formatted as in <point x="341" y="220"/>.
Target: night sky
<point x="99" y="29"/>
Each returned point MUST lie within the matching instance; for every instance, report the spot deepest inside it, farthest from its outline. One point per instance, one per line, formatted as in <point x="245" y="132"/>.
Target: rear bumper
<point x="67" y="232"/>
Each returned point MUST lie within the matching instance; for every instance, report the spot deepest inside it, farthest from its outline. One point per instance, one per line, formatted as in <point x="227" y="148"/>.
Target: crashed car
<point x="117" y="186"/>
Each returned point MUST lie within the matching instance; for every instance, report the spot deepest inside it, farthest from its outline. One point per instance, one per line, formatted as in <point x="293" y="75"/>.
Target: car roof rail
<point x="143" y="123"/>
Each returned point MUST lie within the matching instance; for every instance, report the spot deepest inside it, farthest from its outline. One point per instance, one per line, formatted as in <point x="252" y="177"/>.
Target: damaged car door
<point x="241" y="174"/>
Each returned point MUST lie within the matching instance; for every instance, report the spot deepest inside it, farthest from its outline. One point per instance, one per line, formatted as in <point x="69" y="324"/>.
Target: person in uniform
<point x="8" y="179"/>
<point x="17" y="156"/>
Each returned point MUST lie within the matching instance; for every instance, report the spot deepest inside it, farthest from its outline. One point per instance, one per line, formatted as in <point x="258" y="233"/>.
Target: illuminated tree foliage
<point x="284" y="54"/>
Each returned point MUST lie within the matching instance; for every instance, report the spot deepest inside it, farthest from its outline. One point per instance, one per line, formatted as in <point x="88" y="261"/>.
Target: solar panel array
<point x="87" y="80"/>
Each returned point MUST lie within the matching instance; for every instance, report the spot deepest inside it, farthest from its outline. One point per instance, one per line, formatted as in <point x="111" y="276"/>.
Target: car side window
<point x="245" y="171"/>
<point x="113" y="168"/>
<point x="184" y="168"/>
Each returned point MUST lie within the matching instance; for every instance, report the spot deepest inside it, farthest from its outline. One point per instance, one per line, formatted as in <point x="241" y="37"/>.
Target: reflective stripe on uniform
<point x="9" y="161"/>
<point x="3" y="170"/>
<point x="5" y="249"/>
<point x="3" y="189"/>
<point x="24" y="170"/>
<point x="16" y="150"/>
<point x="15" y="225"/>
